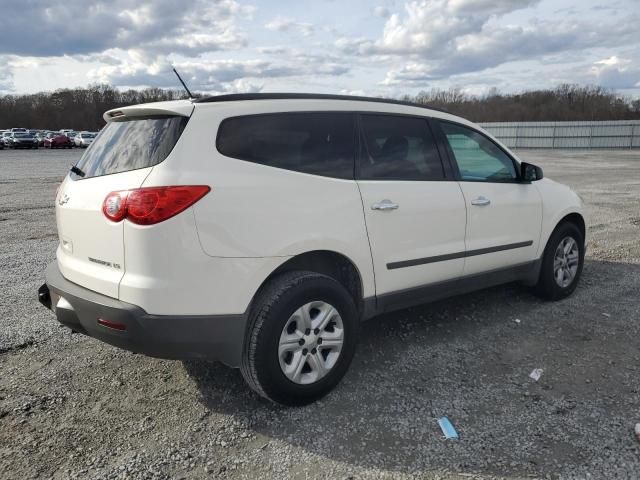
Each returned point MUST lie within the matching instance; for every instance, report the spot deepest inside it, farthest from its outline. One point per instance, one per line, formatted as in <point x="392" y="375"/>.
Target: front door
<point x="504" y="215"/>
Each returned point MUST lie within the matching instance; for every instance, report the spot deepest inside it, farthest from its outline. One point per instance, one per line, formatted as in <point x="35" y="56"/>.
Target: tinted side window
<point x="478" y="158"/>
<point x="398" y="148"/>
<point x="316" y="143"/>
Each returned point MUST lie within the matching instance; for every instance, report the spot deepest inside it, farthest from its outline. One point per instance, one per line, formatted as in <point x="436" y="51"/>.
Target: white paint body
<point x="213" y="257"/>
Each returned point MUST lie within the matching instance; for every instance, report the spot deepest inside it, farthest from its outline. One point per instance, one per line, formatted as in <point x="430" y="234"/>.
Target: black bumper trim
<point x="180" y="337"/>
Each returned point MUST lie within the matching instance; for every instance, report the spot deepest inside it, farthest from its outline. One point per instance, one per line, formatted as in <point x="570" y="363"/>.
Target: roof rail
<point x="307" y="96"/>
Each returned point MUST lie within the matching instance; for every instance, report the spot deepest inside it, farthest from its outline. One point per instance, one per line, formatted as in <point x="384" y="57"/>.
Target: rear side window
<point x="320" y="143"/>
<point x="398" y="148"/>
<point x="132" y="144"/>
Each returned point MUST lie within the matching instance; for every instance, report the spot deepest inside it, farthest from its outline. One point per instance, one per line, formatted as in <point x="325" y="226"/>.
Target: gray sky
<point x="349" y="46"/>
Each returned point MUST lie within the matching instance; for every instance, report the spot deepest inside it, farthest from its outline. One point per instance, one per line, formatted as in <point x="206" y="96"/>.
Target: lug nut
<point x="301" y="342"/>
<point x="319" y="341"/>
<point x="316" y="331"/>
<point x="313" y="351"/>
<point x="305" y="351"/>
<point x="307" y="331"/>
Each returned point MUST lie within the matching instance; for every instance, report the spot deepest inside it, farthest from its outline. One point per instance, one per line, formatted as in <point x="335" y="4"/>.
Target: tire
<point x="272" y="311"/>
<point x="549" y="286"/>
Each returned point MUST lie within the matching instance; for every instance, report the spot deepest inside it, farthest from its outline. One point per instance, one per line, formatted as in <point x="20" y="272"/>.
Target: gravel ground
<point x="71" y="407"/>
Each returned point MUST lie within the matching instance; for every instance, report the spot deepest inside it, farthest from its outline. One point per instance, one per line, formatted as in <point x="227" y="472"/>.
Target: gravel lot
<point x="71" y="407"/>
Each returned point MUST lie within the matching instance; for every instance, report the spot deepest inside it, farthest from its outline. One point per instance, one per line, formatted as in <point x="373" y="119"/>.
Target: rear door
<point x="414" y="209"/>
<point x="91" y="250"/>
<point x="504" y="214"/>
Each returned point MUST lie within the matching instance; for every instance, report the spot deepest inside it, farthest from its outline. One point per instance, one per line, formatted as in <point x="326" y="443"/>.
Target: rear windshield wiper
<point x="77" y="171"/>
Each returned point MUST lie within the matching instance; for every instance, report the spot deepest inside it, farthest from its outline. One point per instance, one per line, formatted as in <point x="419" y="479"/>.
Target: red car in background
<point x="57" y="140"/>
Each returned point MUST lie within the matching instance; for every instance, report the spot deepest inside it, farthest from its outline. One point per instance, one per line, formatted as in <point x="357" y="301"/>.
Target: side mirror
<point x="530" y="173"/>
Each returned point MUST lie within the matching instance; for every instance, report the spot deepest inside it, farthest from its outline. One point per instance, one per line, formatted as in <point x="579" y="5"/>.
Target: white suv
<point x="261" y="229"/>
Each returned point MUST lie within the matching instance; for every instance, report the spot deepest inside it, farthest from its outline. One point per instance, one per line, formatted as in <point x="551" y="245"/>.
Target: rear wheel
<point x="562" y="263"/>
<point x="302" y="337"/>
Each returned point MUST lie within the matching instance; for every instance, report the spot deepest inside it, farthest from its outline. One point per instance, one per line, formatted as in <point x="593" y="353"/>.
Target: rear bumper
<point x="212" y="337"/>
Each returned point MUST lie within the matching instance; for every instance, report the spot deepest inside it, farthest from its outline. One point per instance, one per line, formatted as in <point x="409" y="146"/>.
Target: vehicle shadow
<point x="469" y="358"/>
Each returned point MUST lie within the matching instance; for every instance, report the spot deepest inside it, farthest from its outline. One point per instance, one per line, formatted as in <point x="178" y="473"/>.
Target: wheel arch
<point x="573" y="217"/>
<point x="327" y="262"/>
<point x="578" y="220"/>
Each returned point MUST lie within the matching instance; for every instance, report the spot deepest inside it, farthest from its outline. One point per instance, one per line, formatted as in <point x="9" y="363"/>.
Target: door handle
<point x="480" y="201"/>
<point x="385" y="205"/>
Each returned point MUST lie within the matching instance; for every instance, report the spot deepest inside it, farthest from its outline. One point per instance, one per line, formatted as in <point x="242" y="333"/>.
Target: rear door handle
<point x="480" y="201"/>
<point x="385" y="205"/>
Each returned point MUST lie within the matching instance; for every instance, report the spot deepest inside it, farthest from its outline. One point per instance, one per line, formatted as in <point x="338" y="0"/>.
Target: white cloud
<point x="286" y="24"/>
<point x="440" y="38"/>
<point x="136" y="68"/>
<point x="615" y="72"/>
<point x="74" y="27"/>
<point x="6" y="75"/>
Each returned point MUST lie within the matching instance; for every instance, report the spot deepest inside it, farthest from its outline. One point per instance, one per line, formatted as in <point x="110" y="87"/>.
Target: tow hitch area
<point x="44" y="297"/>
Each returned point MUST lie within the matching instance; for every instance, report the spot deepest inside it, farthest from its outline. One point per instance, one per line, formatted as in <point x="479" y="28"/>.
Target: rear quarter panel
<point x="256" y="211"/>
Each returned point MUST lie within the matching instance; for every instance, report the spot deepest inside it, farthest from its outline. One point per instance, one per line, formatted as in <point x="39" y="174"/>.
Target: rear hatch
<point x="135" y="139"/>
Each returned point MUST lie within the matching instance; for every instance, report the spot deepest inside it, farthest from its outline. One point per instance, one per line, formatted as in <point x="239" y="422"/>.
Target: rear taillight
<point x="114" y="206"/>
<point x="150" y="205"/>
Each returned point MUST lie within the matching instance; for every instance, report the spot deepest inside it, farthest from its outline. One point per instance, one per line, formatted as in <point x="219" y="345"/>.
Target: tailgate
<point x="91" y="250"/>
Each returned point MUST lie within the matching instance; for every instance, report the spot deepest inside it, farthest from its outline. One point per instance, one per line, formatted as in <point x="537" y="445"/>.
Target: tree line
<point x="82" y="108"/>
<point x="78" y="108"/>
<point x="564" y="103"/>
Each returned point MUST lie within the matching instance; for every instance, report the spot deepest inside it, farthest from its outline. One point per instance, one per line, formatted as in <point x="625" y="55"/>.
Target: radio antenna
<point x="182" y="82"/>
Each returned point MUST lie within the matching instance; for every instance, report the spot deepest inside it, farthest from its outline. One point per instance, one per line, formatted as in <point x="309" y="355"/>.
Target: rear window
<point x="316" y="143"/>
<point x="131" y="144"/>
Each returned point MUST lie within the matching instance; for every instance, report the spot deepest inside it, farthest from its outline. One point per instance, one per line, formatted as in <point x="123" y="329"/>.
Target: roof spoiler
<point x="183" y="108"/>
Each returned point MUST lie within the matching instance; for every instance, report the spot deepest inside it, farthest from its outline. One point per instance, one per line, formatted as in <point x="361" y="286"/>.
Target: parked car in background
<point x="23" y="140"/>
<point x="40" y="138"/>
<point x="71" y="135"/>
<point x="18" y="130"/>
<point x="83" y="139"/>
<point x="57" y="140"/>
<point x="4" y="139"/>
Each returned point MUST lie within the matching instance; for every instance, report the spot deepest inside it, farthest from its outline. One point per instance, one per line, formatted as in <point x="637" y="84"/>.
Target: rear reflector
<point x="150" y="205"/>
<point x="112" y="325"/>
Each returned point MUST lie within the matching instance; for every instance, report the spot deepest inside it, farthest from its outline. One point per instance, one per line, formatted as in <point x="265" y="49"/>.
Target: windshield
<point x="132" y="144"/>
<point x="21" y="135"/>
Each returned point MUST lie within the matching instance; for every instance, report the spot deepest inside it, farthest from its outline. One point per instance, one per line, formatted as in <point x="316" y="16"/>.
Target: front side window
<point x="398" y="148"/>
<point x="477" y="157"/>
<point x="321" y="143"/>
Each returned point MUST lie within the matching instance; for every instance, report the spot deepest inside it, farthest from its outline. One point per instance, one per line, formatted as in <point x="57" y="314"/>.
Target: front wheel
<point x="302" y="336"/>
<point x="562" y="263"/>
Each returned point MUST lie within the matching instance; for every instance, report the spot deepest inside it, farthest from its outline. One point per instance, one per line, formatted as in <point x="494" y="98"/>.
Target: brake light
<point x="150" y="205"/>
